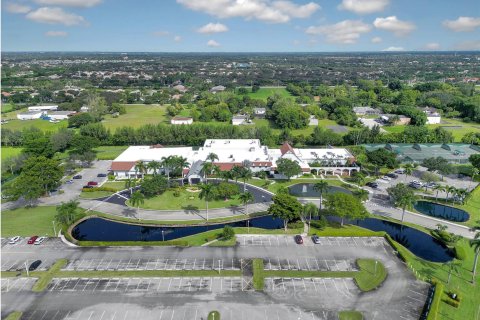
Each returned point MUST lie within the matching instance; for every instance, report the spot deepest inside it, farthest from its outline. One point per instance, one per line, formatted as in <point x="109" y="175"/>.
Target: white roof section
<point x="148" y="153"/>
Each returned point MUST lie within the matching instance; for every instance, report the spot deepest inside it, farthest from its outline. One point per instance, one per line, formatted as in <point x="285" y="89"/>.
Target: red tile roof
<point x="286" y="148"/>
<point x="123" y="165"/>
<point x="261" y="164"/>
<point x="156" y="146"/>
<point x="226" y="166"/>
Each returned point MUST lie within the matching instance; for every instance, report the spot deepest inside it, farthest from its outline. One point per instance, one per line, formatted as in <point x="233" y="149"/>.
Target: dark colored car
<point x="35" y="264"/>
<point x="373" y="185"/>
<point x="392" y="175"/>
<point x="298" y="239"/>
<point x="316" y="239"/>
<point x="87" y="187"/>
<point x="78" y="176"/>
<point x="92" y="183"/>
<point x="101" y="175"/>
<point x="32" y="240"/>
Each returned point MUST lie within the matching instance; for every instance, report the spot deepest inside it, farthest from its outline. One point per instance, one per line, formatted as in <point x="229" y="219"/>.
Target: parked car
<point x="101" y="175"/>
<point x="78" y="176"/>
<point x="316" y="239"/>
<point x="386" y="178"/>
<point x="392" y="175"/>
<point x="415" y="185"/>
<point x="69" y="181"/>
<point x="34" y="265"/>
<point x="40" y="240"/>
<point x="92" y="183"/>
<point x="87" y="187"/>
<point x="372" y="185"/>
<point x="298" y="239"/>
<point x="32" y="240"/>
<point x="14" y="240"/>
<point x="430" y="185"/>
<point x="400" y="171"/>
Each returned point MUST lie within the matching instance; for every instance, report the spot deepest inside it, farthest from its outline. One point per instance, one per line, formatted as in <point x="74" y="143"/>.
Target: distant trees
<point x="382" y="158"/>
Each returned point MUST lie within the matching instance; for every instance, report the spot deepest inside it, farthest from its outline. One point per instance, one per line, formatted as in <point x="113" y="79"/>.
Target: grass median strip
<point x="45" y="277"/>
<point x="15" y="315"/>
<point x="148" y="273"/>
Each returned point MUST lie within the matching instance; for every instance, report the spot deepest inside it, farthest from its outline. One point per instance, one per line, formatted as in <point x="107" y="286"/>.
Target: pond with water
<point x="98" y="229"/>
<point x="441" y="211"/>
<point x="306" y="190"/>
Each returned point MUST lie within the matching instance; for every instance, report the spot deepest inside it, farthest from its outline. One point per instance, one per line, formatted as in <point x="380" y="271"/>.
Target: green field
<point x="457" y="127"/>
<point x="109" y="152"/>
<point x="28" y="221"/>
<point x="264" y="93"/>
<point x="6" y="107"/>
<point x="186" y="200"/>
<point x="324" y="123"/>
<point x="44" y="125"/>
<point x="8" y="152"/>
<point x="137" y="115"/>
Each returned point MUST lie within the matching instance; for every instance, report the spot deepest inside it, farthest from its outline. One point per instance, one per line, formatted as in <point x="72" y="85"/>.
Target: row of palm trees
<point x="459" y="193"/>
<point x="169" y="164"/>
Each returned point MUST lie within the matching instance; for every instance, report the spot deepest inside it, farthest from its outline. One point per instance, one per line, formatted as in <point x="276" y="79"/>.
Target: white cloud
<point x="392" y="24"/>
<point x="272" y="11"/>
<point x="364" y="6"/>
<point x="344" y="32"/>
<point x="161" y="33"/>
<point x="432" y="46"/>
<point x="462" y="24"/>
<point x="213" y="28"/>
<point x="17" y="8"/>
<point x="468" y="45"/>
<point x="70" y="3"/>
<point x="393" y="49"/>
<point x="56" y="34"/>
<point x="213" y="43"/>
<point x="177" y="38"/>
<point x="55" y="16"/>
<point x="376" y="40"/>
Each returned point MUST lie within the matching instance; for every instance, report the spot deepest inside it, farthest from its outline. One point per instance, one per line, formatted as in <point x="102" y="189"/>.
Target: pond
<point x="97" y="229"/>
<point x="441" y="211"/>
<point x="306" y="190"/>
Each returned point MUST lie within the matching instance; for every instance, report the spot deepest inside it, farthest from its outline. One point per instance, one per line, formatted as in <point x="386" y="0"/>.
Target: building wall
<point x="434" y="120"/>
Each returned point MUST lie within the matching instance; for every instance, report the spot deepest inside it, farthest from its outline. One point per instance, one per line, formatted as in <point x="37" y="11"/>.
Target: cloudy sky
<point x="240" y="25"/>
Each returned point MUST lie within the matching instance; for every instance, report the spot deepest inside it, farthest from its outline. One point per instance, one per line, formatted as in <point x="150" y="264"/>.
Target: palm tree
<point x="450" y="190"/>
<point x="154" y="165"/>
<point x="207" y="170"/>
<point x="236" y="171"/>
<point x="211" y="157"/>
<point x="438" y="188"/>
<point x="453" y="265"/>
<point x="408" y="169"/>
<point x="167" y="164"/>
<point x="137" y="199"/>
<point x="245" y="174"/>
<point x="216" y="170"/>
<point x="406" y="201"/>
<point x="361" y="194"/>
<point x="181" y="163"/>
<point x="321" y="187"/>
<point x="140" y="167"/>
<point x="461" y="194"/>
<point x="246" y="197"/>
<point x="207" y="193"/>
<point x="310" y="209"/>
<point x="475" y="244"/>
<point x="130" y="184"/>
<point x="226" y="175"/>
<point x="475" y="172"/>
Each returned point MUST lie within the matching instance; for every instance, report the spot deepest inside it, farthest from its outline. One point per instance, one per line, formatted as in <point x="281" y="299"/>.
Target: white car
<point x="386" y="178"/>
<point x="400" y="171"/>
<point x="40" y="240"/>
<point x="14" y="240"/>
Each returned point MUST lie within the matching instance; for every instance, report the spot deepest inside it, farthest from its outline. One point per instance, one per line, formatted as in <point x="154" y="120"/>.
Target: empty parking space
<point x="55" y="243"/>
<point x="21" y="264"/>
<point x="152" y="264"/>
<point x="288" y="240"/>
<point x="311" y="264"/>
<point x="17" y="284"/>
<point x="343" y="286"/>
<point x="171" y="284"/>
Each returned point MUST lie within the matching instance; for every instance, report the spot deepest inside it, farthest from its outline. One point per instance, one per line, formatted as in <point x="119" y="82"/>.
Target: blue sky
<point x="240" y="25"/>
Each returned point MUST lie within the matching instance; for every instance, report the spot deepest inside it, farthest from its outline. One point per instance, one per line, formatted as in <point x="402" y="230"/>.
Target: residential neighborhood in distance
<point x="237" y="160"/>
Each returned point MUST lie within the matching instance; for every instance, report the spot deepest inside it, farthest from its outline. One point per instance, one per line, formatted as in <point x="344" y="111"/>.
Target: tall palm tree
<point x="211" y="157"/>
<point x="406" y="201"/>
<point x="245" y="174"/>
<point x="130" y="184"/>
<point x="207" y="192"/>
<point x="137" y="199"/>
<point x="475" y="244"/>
<point x="246" y="197"/>
<point x="409" y="168"/>
<point x="321" y="187"/>
<point x="167" y="164"/>
<point x="140" y="167"/>
<point x="452" y="265"/>
<point x="310" y="210"/>
<point x="207" y="170"/>
<point x="438" y="188"/>
<point x="462" y="194"/>
<point x="154" y="165"/>
<point x="216" y="170"/>
<point x="236" y="172"/>
<point x="226" y="175"/>
<point x="475" y="172"/>
<point x="181" y="163"/>
<point x="450" y="190"/>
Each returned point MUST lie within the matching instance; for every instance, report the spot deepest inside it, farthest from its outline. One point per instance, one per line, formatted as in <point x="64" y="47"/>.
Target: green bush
<point x="319" y="224"/>
<point x="111" y="177"/>
<point x="228" y="233"/>
<point x="295" y="225"/>
<point x="452" y="302"/>
<point x="176" y="193"/>
<point x="460" y="253"/>
<point x="226" y="190"/>
<point x="437" y="297"/>
<point x="99" y="189"/>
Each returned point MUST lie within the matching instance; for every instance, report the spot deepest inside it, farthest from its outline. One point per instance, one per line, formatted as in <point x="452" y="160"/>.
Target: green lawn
<point x="6" y="107"/>
<point x="109" y="152"/>
<point x="28" y="221"/>
<point x="350" y="315"/>
<point x="44" y="125"/>
<point x="118" y="185"/>
<point x="8" y="152"/>
<point x="264" y="93"/>
<point x="324" y="123"/>
<point x="137" y="115"/>
<point x="95" y="194"/>
<point x="186" y="200"/>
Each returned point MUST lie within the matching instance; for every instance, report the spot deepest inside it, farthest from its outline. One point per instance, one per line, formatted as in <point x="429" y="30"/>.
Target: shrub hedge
<point x="99" y="189"/>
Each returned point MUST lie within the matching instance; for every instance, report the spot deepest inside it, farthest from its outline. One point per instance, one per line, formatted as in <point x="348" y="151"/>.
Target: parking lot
<point x="309" y="264"/>
<point x="17" y="284"/>
<point x="150" y="285"/>
<point x="288" y="240"/>
<point x="19" y="264"/>
<point x="55" y="243"/>
<point x="153" y="264"/>
<point x="289" y="286"/>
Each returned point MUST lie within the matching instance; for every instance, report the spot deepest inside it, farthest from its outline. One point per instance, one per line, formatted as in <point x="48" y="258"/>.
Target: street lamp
<point x="163" y="235"/>
<point x="26" y="268"/>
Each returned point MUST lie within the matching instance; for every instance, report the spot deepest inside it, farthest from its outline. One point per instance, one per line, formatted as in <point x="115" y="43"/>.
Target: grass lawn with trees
<point x="8" y="152"/>
<point x="137" y="115"/>
<point x="109" y="152"/>
<point x="28" y="221"/>
<point x="186" y="200"/>
<point x="264" y="93"/>
<point x="44" y="125"/>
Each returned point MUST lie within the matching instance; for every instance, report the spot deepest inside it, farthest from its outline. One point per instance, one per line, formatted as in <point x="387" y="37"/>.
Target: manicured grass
<point x="372" y="274"/>
<point x="109" y="152"/>
<point x="137" y="115"/>
<point x="44" y="125"/>
<point x="149" y="273"/>
<point x="350" y="315"/>
<point x="258" y="274"/>
<point x="47" y="276"/>
<point x="347" y="230"/>
<point x="28" y="221"/>
<point x="117" y="185"/>
<point x="186" y="200"/>
<point x="6" y="107"/>
<point x="95" y="194"/>
<point x="214" y="315"/>
<point x="264" y="93"/>
<point x="8" y="152"/>
<point x="16" y="315"/>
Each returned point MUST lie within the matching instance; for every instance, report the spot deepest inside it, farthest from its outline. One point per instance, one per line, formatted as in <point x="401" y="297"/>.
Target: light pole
<point x="163" y="235"/>
<point x="26" y="268"/>
<point x="248" y="226"/>
<point x="219" y="266"/>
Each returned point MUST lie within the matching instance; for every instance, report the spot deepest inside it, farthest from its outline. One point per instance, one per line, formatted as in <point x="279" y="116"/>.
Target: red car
<point x="298" y="239"/>
<point x="32" y="240"/>
<point x="92" y="183"/>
